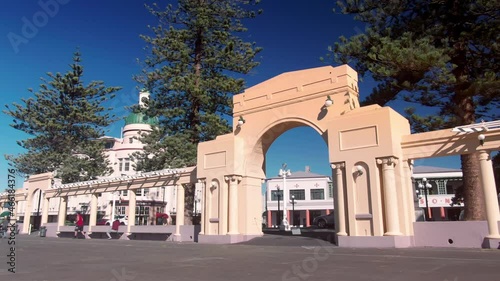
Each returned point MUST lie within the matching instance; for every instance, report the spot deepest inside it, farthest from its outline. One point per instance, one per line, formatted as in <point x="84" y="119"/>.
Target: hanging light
<point x="241" y="121"/>
<point x="359" y="170"/>
<point x="328" y="101"/>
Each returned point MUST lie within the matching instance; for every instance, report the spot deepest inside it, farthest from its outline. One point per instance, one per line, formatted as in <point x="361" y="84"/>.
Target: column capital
<point x="202" y="180"/>
<point x="236" y="178"/>
<point x="408" y="163"/>
<point x="484" y="155"/>
<point x="390" y="160"/>
<point x="337" y="165"/>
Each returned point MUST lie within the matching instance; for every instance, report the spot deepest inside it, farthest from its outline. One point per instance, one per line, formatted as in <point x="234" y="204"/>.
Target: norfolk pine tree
<point x="65" y="118"/>
<point x="194" y="54"/>
<point x="437" y="54"/>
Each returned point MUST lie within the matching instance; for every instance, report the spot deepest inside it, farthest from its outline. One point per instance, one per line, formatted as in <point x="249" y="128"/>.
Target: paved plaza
<point x="272" y="257"/>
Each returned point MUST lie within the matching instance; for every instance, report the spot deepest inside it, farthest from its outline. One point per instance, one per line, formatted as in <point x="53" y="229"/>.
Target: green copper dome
<point x="140" y="118"/>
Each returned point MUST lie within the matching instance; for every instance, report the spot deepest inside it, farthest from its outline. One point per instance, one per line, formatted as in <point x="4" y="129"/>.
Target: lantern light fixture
<point x="328" y="101"/>
<point x="241" y="121"/>
<point x="481" y="138"/>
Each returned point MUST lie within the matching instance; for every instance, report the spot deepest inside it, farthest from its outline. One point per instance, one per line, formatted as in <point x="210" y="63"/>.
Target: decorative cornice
<point x="337" y="165"/>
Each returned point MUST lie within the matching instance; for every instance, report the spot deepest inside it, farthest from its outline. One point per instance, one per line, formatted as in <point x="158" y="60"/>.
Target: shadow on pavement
<point x="307" y="237"/>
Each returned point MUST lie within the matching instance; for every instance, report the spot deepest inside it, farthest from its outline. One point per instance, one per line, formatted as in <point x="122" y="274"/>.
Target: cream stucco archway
<point x="372" y="207"/>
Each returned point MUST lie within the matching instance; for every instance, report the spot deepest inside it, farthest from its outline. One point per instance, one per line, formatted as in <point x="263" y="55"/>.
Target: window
<point x="126" y="164"/>
<point x="330" y="188"/>
<point x="274" y="195"/>
<point x="120" y="210"/>
<point x="441" y="185"/>
<point x="124" y="192"/>
<point x="317" y="194"/>
<point x="108" y="145"/>
<point x="146" y="191"/>
<point x="300" y="194"/>
<point x="120" y="164"/>
<point x="138" y="192"/>
<point x="131" y="140"/>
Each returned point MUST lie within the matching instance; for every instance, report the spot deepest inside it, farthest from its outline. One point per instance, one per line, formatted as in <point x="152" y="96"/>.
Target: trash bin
<point x="43" y="231"/>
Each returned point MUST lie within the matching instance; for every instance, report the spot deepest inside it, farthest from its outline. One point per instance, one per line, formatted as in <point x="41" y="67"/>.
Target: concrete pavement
<point x="269" y="258"/>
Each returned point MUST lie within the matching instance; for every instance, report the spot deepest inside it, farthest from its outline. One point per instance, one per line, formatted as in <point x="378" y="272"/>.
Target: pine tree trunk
<point x="188" y="203"/>
<point x="475" y="208"/>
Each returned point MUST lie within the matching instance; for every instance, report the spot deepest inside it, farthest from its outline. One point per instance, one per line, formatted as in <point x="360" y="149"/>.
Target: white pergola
<point x="45" y="182"/>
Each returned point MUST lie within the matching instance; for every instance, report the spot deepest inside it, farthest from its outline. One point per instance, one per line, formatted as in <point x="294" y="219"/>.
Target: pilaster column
<point x="233" y="203"/>
<point x="27" y="211"/>
<point x="338" y="199"/>
<point x="45" y="210"/>
<point x="390" y="196"/>
<point x="15" y="214"/>
<point x="179" y="216"/>
<point x="308" y="221"/>
<point x="93" y="211"/>
<point x="131" y="210"/>
<point x="203" y="205"/>
<point x="490" y="194"/>
<point x="61" y="216"/>
<point x="208" y="215"/>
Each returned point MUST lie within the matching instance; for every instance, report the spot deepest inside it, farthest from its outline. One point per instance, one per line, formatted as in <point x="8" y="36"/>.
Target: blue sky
<point x="293" y="33"/>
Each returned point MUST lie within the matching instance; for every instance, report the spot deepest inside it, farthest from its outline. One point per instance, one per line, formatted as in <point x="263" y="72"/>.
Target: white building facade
<point x="435" y="188"/>
<point x="150" y="202"/>
<point x="312" y="197"/>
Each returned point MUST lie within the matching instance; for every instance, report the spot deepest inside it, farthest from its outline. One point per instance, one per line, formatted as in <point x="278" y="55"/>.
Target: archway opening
<point x="36" y="209"/>
<point x="304" y="196"/>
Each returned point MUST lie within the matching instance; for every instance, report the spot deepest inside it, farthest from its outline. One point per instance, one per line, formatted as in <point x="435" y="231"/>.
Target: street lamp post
<point x="425" y="187"/>
<point x="284" y="173"/>
<point x="293" y="210"/>
<point x="278" y="217"/>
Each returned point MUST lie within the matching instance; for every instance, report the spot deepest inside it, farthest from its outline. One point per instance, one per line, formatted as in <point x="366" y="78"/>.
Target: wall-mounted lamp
<point x="359" y="170"/>
<point x="328" y="101"/>
<point x="481" y="138"/>
<point x="241" y="121"/>
<point x="213" y="184"/>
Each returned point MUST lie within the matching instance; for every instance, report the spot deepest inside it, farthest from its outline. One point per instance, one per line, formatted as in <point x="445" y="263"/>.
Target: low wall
<point x="189" y="233"/>
<point x="52" y="229"/>
<point x="455" y="234"/>
<point x="375" y="241"/>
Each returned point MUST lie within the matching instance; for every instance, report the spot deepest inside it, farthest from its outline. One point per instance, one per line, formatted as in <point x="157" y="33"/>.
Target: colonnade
<point x="391" y="211"/>
<point x="62" y="213"/>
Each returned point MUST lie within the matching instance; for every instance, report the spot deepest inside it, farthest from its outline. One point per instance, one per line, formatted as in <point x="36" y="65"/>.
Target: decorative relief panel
<point x="358" y="138"/>
<point x="215" y="160"/>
